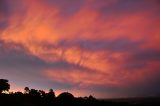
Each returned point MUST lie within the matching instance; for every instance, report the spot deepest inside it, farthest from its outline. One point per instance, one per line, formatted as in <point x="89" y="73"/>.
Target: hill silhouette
<point x="33" y="97"/>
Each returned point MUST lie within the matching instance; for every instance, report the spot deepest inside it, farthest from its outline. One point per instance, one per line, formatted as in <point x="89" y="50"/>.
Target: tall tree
<point x="4" y="85"/>
<point x="51" y="94"/>
<point x="26" y="90"/>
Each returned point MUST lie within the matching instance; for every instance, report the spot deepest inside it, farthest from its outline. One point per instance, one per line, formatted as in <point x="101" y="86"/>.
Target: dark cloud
<point x="3" y="25"/>
<point x="4" y="12"/>
<point x="130" y="7"/>
<point x="139" y="58"/>
<point x="115" y="45"/>
<point x="8" y="9"/>
<point x="3" y="7"/>
<point x="15" y="55"/>
<point x="149" y="87"/>
<point x="131" y="65"/>
<point x="67" y="8"/>
<point x="60" y="85"/>
<point x="147" y="55"/>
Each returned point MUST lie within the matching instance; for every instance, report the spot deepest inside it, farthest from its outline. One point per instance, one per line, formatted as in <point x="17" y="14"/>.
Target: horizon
<point x="59" y="92"/>
<point x="104" y="48"/>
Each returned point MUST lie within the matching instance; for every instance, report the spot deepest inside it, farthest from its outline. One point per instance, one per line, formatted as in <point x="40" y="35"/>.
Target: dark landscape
<point x="33" y="97"/>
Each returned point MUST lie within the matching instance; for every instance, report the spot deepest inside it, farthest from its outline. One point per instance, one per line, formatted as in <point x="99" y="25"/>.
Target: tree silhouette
<point x="91" y="98"/>
<point x="34" y="93"/>
<point x="50" y="96"/>
<point x="4" y="85"/>
<point x="65" y="96"/>
<point x="42" y="93"/>
<point x="26" y="90"/>
<point x="51" y="93"/>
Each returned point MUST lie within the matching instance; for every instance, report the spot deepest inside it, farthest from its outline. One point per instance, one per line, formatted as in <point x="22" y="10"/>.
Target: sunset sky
<point x="106" y="48"/>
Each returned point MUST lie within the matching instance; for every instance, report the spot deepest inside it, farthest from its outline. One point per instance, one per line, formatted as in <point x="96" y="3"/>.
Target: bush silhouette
<point x="65" y="95"/>
<point x="65" y="98"/>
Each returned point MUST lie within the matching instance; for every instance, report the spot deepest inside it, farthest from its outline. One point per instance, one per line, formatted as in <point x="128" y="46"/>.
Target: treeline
<point x="33" y="97"/>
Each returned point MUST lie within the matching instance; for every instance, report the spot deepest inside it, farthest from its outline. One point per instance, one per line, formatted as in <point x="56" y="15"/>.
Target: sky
<point x="104" y="48"/>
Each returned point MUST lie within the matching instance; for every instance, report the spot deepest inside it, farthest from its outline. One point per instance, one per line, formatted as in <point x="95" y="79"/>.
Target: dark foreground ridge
<point x="33" y="97"/>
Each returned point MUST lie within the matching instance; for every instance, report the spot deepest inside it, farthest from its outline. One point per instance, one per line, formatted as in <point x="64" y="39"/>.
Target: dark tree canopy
<point x="65" y="95"/>
<point x="51" y="93"/>
<point x="34" y="97"/>
<point x="34" y="92"/>
<point x="26" y="90"/>
<point x="4" y="85"/>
